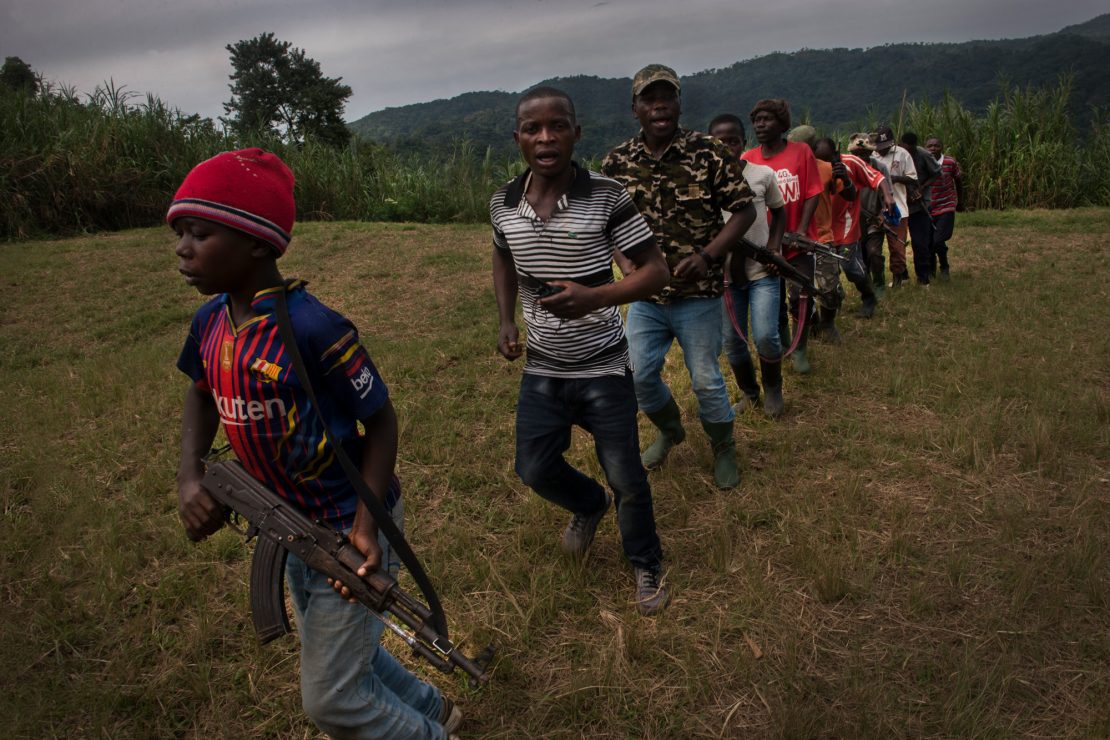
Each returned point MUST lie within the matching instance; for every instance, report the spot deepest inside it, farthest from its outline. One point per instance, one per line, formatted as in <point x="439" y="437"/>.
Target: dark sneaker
<point x="450" y="716"/>
<point x="944" y="276"/>
<point x="580" y="532"/>
<point x="651" y="594"/>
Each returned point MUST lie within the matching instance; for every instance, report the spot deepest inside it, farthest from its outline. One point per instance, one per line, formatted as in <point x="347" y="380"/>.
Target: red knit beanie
<point x="248" y="190"/>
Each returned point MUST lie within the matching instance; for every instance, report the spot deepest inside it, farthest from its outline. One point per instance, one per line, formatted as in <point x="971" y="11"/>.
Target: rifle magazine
<point x="268" y="590"/>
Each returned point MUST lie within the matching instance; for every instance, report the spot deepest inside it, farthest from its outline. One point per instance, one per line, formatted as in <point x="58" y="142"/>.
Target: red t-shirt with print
<point x="796" y="170"/>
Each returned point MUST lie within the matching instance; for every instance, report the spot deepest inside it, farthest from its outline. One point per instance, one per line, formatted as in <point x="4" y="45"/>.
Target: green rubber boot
<point x="801" y="363"/>
<point x="725" y="472"/>
<point x="669" y="422"/>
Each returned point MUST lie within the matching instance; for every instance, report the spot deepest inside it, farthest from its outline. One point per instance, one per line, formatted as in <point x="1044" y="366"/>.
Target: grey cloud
<point x="394" y="53"/>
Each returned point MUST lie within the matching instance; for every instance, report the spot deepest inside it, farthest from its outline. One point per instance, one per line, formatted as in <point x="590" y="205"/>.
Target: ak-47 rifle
<point x="805" y="244"/>
<point x="765" y="256"/>
<point x="876" y="218"/>
<point x="282" y="529"/>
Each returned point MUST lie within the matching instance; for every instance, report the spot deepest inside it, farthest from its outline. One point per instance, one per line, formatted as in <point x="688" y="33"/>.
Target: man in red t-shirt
<point x="800" y="185"/>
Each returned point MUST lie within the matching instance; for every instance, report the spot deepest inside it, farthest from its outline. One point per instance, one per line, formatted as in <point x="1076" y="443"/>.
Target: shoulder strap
<point x="377" y="509"/>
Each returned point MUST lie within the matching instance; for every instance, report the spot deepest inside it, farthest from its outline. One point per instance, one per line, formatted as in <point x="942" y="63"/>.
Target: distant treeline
<point x="71" y="165"/>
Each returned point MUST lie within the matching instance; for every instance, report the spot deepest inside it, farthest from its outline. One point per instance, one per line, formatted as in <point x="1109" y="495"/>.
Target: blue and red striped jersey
<point x="264" y="408"/>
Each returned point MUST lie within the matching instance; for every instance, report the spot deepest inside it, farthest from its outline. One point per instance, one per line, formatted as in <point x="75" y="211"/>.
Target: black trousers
<point x="921" y="239"/>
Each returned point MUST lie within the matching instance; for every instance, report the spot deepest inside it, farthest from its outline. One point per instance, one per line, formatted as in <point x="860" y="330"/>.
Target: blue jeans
<point x="606" y="408"/>
<point x="351" y="687"/>
<point x="761" y="298"/>
<point x="696" y="324"/>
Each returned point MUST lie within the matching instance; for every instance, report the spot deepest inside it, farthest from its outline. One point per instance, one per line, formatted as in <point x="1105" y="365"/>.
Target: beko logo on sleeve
<point x="363" y="382"/>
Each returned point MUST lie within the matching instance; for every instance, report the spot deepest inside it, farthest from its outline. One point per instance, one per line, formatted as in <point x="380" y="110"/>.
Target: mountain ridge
<point x="836" y="88"/>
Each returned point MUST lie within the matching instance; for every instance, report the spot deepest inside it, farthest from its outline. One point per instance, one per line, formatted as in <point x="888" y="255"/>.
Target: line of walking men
<point x="671" y="206"/>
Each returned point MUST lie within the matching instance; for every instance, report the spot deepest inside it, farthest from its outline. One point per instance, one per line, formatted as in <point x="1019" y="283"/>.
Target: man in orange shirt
<point x="846" y="216"/>
<point x="835" y="183"/>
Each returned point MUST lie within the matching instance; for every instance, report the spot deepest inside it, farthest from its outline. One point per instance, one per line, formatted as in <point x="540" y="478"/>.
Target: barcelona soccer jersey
<point x="263" y="405"/>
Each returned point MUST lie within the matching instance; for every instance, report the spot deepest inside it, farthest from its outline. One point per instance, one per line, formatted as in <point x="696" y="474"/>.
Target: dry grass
<point x="918" y="548"/>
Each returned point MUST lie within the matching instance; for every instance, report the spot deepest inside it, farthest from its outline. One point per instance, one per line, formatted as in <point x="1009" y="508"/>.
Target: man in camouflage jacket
<point x="682" y="182"/>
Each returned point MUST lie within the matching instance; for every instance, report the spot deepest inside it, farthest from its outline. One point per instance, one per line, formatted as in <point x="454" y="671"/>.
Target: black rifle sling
<point x="377" y="509"/>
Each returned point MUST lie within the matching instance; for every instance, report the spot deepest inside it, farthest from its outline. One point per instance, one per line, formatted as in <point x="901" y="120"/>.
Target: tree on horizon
<point x="277" y="89"/>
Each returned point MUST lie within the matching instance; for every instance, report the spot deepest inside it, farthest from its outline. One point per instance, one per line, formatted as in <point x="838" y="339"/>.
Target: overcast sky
<point x="408" y="51"/>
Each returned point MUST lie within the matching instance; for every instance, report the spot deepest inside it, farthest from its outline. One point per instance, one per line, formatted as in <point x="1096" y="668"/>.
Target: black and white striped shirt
<point x="576" y="244"/>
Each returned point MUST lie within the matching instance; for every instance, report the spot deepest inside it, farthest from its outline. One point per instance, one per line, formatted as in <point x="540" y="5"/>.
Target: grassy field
<point x="919" y="548"/>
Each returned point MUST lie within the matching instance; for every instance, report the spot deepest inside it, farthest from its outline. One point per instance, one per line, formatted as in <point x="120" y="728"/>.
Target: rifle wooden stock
<point x="281" y="529"/>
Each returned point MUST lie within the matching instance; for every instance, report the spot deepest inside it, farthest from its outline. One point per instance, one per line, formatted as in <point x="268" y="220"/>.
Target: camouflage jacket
<point x="682" y="196"/>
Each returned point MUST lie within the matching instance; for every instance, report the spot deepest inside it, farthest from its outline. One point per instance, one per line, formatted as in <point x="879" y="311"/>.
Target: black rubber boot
<point x="669" y="422"/>
<point x="867" y="308"/>
<point x="773" y="404"/>
<point x="749" y="386"/>
<point x="828" y="330"/>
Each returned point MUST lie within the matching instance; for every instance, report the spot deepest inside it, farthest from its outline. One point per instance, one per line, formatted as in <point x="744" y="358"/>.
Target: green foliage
<point x="279" y="91"/>
<point x="69" y="165"/>
<point x="1023" y="152"/>
<point x="17" y="75"/>
<point x="106" y="163"/>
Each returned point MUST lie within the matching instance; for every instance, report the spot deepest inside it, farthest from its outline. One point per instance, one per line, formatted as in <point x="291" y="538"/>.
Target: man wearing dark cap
<point x="682" y="182"/>
<point x="899" y="165"/>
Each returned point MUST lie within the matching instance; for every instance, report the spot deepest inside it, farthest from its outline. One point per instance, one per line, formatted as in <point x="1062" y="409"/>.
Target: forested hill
<point x="834" y="88"/>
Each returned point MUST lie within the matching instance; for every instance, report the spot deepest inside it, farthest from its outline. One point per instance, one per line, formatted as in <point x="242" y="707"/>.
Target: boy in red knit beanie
<point x="233" y="216"/>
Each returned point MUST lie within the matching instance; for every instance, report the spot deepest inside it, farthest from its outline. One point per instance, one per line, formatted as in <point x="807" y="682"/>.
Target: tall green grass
<point x="71" y="164"/>
<point x="1024" y="152"/>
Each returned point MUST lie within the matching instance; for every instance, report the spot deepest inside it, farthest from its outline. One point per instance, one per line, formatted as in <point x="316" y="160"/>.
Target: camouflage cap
<point x="654" y="73"/>
<point x="860" y="140"/>
<point x="803" y="134"/>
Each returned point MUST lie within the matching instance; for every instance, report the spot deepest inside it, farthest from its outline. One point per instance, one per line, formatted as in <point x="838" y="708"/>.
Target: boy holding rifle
<point x="233" y="216"/>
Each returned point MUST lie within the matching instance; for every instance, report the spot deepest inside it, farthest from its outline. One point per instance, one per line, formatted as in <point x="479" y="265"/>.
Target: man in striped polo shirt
<point x="947" y="197"/>
<point x="554" y="231"/>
